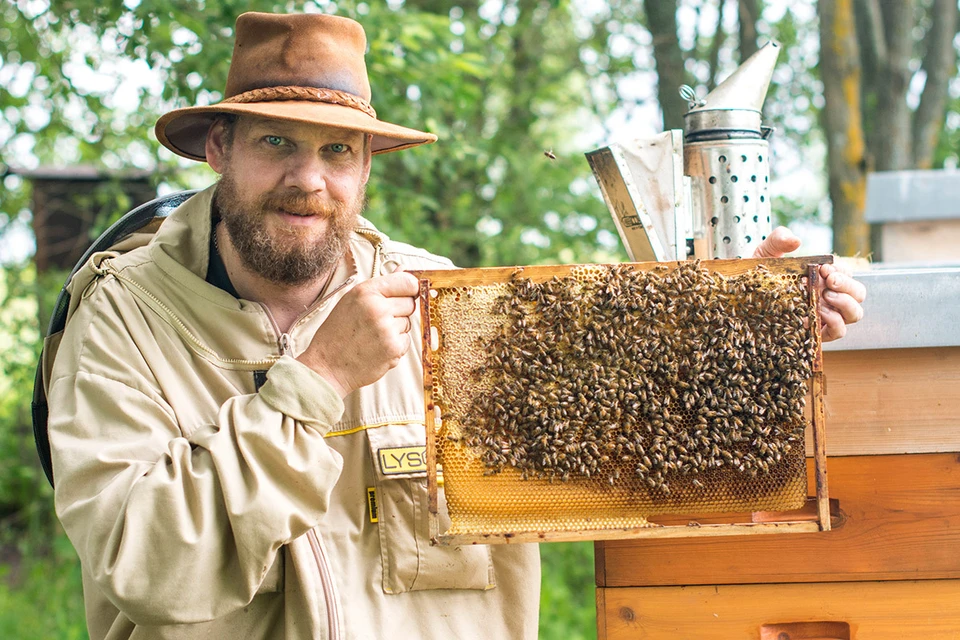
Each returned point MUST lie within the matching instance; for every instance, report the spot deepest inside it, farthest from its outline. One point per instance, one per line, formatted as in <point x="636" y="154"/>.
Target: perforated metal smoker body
<point x="502" y="505"/>
<point x="732" y="180"/>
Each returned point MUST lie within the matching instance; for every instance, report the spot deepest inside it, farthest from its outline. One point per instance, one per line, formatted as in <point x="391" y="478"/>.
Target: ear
<point x="367" y="144"/>
<point x="216" y="148"/>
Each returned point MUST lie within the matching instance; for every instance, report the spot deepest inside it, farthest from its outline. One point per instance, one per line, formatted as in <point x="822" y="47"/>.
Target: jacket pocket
<point x="410" y="562"/>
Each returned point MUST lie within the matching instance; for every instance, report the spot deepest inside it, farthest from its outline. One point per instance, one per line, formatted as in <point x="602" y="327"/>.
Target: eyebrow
<point x="288" y="129"/>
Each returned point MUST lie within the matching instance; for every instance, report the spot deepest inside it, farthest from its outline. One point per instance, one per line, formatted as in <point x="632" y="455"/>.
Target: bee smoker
<point x="703" y="192"/>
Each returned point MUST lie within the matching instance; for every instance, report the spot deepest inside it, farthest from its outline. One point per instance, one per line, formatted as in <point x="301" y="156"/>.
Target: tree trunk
<point x="662" y="22"/>
<point x="840" y="72"/>
<point x="719" y="35"/>
<point x="939" y="63"/>
<point x="892" y="148"/>
<point x="749" y="14"/>
<point x="873" y="54"/>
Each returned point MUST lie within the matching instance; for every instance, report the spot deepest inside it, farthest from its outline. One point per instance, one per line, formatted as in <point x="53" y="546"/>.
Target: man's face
<point x="289" y="194"/>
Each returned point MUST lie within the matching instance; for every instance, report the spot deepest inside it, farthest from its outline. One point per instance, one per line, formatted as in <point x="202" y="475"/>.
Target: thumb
<point x="780" y="241"/>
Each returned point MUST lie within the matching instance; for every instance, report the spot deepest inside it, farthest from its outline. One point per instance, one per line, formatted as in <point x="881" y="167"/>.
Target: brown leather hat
<point x="300" y="67"/>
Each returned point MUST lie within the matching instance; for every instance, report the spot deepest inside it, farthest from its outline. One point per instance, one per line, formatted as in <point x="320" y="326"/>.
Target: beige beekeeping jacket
<point x="208" y="499"/>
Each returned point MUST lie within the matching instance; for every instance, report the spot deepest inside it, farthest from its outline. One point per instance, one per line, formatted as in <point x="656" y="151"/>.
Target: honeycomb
<point x="603" y="397"/>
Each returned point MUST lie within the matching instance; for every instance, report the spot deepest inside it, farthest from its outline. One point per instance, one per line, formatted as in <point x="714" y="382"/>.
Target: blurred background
<point x="517" y="91"/>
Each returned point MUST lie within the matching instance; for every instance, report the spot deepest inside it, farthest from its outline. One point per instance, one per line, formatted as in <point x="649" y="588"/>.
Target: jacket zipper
<point x="319" y="555"/>
<point x="283" y="337"/>
<point x="326" y="583"/>
<point x="181" y="328"/>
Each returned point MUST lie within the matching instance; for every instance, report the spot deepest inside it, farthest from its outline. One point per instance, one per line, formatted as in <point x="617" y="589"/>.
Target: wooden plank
<point x="651" y="532"/>
<point x="892" y="401"/>
<point x="601" y="620"/>
<point x="900" y="519"/>
<point x="599" y="566"/>
<point x="874" y="610"/>
<point x="925" y="241"/>
<point x="493" y="275"/>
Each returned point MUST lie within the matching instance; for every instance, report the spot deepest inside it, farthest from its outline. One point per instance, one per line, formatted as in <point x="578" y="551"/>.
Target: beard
<point x="289" y="256"/>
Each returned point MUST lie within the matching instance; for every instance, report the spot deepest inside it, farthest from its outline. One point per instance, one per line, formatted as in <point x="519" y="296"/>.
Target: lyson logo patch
<point x="396" y="460"/>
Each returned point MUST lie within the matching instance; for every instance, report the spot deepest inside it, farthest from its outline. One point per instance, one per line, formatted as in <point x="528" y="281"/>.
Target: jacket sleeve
<point x="180" y="530"/>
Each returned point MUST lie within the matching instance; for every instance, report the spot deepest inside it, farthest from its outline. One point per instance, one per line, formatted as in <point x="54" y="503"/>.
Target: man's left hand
<point x="840" y="295"/>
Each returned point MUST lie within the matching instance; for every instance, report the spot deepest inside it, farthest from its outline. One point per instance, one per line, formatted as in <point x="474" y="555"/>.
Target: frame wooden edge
<point x="654" y="531"/>
<point x="428" y="407"/>
<point x="818" y="413"/>
<point x="429" y="278"/>
<point x="820" y="452"/>
<point x="493" y="275"/>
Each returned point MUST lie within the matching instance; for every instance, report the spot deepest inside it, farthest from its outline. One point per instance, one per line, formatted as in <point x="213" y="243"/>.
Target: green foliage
<point x="567" y="592"/>
<point x="24" y="493"/>
<point x="499" y="85"/>
<point x="43" y="598"/>
<point x="40" y="591"/>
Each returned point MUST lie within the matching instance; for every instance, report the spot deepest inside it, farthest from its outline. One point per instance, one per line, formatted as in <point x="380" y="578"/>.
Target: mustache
<point x="300" y="203"/>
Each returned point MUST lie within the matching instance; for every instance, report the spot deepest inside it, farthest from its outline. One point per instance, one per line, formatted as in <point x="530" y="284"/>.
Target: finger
<point x="780" y="241"/>
<point x="401" y="307"/>
<point x="832" y="326"/>
<point x="844" y="284"/>
<point x="844" y="304"/>
<point x="403" y="324"/>
<point x="397" y="284"/>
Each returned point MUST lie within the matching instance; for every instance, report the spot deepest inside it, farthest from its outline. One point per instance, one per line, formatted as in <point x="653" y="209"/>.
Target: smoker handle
<point x="806" y="631"/>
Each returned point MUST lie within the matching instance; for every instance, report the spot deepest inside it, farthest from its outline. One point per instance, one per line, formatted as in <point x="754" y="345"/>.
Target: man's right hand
<point x="366" y="334"/>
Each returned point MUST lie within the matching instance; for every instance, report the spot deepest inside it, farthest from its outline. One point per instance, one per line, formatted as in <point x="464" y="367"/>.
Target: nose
<point x="306" y="172"/>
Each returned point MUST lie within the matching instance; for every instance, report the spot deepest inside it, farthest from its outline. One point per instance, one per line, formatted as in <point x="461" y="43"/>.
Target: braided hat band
<point x="309" y="94"/>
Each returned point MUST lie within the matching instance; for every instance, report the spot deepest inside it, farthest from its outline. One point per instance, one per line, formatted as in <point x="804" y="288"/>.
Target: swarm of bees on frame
<point x="667" y="375"/>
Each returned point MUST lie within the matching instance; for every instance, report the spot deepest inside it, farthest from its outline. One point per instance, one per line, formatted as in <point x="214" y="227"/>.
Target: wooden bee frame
<point x="814" y="516"/>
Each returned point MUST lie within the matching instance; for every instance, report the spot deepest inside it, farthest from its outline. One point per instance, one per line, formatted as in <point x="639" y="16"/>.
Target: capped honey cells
<point x="615" y="393"/>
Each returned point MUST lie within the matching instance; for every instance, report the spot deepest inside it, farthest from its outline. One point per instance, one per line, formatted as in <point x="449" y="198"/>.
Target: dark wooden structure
<point x="68" y="204"/>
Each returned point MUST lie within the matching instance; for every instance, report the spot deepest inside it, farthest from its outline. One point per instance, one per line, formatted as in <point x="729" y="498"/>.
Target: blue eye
<point x="274" y="141"/>
<point x="338" y="147"/>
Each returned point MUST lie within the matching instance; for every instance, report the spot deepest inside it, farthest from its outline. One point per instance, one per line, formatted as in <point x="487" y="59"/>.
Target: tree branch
<point x="662" y="23"/>
<point x="719" y="36"/>
<point x="939" y="63"/>
<point x="892" y="148"/>
<point x="749" y="14"/>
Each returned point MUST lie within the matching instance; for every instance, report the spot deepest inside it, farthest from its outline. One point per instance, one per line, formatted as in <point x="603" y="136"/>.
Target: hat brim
<point x="184" y="131"/>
